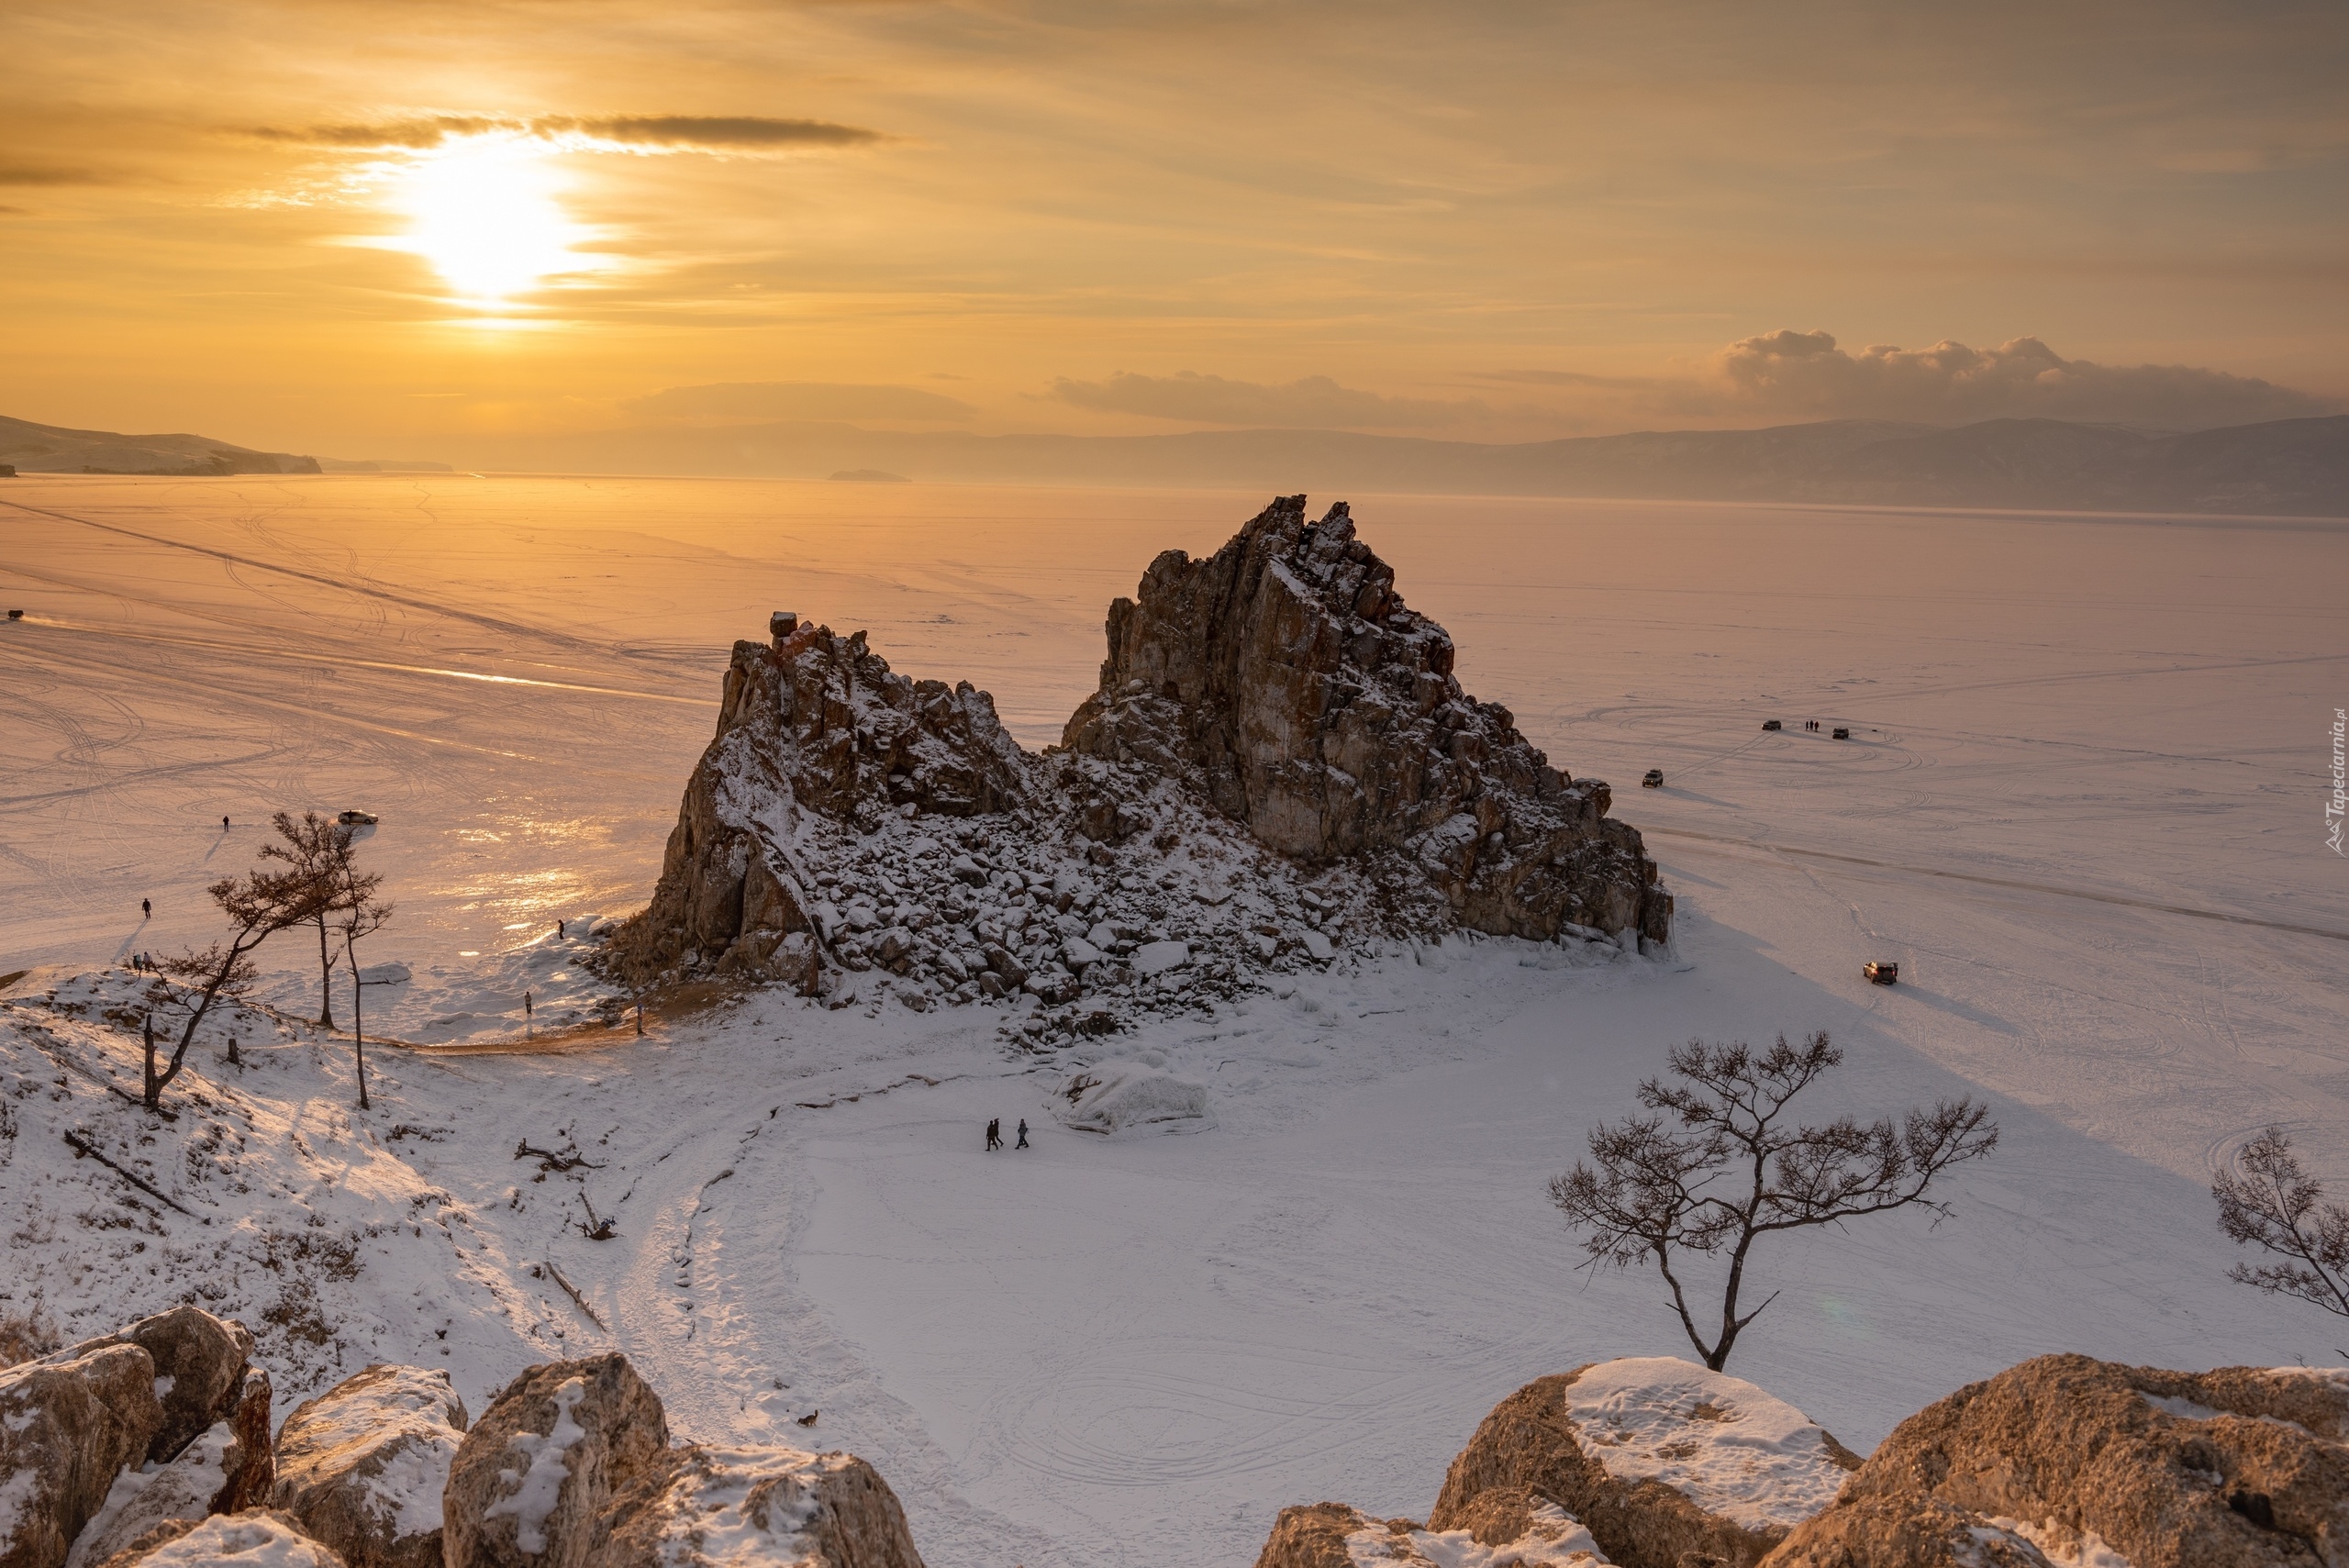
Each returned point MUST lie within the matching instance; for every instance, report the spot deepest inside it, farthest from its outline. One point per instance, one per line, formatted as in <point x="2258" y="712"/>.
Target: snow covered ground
<point x="2081" y="806"/>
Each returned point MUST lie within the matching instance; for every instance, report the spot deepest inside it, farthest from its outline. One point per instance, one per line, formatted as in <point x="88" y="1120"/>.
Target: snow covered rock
<point x="531" y="1482"/>
<point x="69" y="1424"/>
<point x="257" y="1539"/>
<point x="1331" y="1535"/>
<point x="200" y="1363"/>
<point x="146" y="1496"/>
<point x="1277" y="745"/>
<point x="1656" y="1457"/>
<point x="2237" y="1468"/>
<point x="1323" y="713"/>
<point x="1129" y="1096"/>
<point x="363" y="1466"/>
<point x="717" y="1507"/>
<point x="1913" y="1533"/>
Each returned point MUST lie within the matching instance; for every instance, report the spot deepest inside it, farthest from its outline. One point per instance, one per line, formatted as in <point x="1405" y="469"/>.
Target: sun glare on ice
<point x="483" y="213"/>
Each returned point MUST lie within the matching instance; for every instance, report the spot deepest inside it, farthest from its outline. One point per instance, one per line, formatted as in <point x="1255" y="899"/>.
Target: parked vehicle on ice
<point x="1881" y="972"/>
<point x="1841" y="733"/>
<point x="1654" y="779"/>
<point x="355" y="818"/>
<point x="1770" y="724"/>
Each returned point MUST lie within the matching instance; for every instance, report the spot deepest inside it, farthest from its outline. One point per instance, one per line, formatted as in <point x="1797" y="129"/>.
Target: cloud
<point x="40" y="174"/>
<point x="1315" y="401"/>
<point x="1805" y="373"/>
<point x="799" y="400"/>
<point x="623" y="133"/>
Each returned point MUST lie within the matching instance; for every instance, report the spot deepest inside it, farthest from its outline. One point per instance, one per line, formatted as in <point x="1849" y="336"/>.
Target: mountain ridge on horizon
<point x="2284" y="467"/>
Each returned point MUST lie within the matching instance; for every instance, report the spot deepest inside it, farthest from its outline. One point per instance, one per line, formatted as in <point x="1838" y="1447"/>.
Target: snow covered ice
<point x="2076" y="809"/>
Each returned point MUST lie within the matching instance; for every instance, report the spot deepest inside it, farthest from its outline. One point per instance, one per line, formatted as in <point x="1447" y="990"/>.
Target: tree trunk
<point x="326" y="978"/>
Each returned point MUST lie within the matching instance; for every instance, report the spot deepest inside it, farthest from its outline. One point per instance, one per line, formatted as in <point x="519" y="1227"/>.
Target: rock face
<point x="1323" y="713"/>
<point x="260" y="1539"/>
<point x="1279" y="768"/>
<point x="712" y="1508"/>
<point x="205" y="1360"/>
<point x="2237" y="1468"/>
<point x="363" y="1466"/>
<point x="181" y="1490"/>
<point x="1657" y="1457"/>
<point x="532" y="1481"/>
<point x="570" y="1465"/>
<point x="1331" y="1535"/>
<point x="69" y="1423"/>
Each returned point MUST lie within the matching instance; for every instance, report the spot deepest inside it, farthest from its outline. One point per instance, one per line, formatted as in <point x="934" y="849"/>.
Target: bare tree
<point x="259" y="905"/>
<point x="363" y="915"/>
<point x="1731" y="1173"/>
<point x="318" y="853"/>
<point x="2268" y="1201"/>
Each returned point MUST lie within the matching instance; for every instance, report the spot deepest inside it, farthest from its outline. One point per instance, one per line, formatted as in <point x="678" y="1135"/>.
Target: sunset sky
<point x="356" y="227"/>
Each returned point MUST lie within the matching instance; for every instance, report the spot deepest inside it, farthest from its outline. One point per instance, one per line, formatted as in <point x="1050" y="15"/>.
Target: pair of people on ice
<point x="995" y="1134"/>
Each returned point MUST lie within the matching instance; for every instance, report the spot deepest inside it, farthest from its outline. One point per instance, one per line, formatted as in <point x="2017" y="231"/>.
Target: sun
<point x="483" y="212"/>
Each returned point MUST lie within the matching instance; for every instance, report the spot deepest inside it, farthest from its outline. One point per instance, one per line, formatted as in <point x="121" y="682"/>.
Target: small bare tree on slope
<point x="1732" y="1172"/>
<point x="259" y="905"/>
<point x="2268" y="1201"/>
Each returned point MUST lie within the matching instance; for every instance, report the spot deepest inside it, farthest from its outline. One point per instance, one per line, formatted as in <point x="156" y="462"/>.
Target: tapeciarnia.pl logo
<point x="2336" y="807"/>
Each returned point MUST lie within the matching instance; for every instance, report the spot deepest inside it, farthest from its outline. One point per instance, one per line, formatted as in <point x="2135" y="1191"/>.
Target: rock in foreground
<point x="1279" y="765"/>
<point x="2237" y="1468"/>
<point x="1657" y="1457"/>
<point x="571" y="1467"/>
<point x="363" y="1466"/>
<point x="1331" y="1535"/>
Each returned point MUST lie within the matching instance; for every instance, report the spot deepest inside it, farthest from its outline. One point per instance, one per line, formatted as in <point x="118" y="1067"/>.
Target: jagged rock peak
<point x="1323" y="713"/>
<point x="1279" y="766"/>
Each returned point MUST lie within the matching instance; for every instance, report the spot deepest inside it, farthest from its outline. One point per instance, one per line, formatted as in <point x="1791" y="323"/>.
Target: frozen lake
<point x="2081" y="805"/>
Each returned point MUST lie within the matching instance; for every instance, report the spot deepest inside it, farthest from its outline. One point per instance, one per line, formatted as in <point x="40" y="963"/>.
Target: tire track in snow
<point x="2121" y="900"/>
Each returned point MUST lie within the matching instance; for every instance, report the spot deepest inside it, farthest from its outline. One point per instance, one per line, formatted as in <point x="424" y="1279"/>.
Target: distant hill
<point x="54" y="448"/>
<point x="2294" y="467"/>
<point x="2287" y="467"/>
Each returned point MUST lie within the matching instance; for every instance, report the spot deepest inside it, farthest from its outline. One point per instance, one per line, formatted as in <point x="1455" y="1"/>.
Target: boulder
<point x="69" y="1425"/>
<point x="200" y="1364"/>
<point x="705" y="1507"/>
<point x="532" y="1481"/>
<point x="2238" y="1468"/>
<point x="1323" y="713"/>
<point x="184" y="1489"/>
<point x="1913" y="1533"/>
<point x="257" y="1539"/>
<point x="1330" y="1535"/>
<point x="363" y="1466"/>
<point x="1656" y="1457"/>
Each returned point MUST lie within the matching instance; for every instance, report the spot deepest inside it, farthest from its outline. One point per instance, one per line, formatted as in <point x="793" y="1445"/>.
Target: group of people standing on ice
<point x="995" y="1134"/>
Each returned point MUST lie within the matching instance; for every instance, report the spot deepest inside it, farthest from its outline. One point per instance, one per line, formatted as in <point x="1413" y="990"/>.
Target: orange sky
<point x="352" y="228"/>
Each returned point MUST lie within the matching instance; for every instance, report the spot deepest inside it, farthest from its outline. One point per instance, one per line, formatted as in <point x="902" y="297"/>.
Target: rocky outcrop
<point x="712" y="1508"/>
<point x="2237" y="1468"/>
<point x="262" y="1539"/>
<point x="1658" y="1458"/>
<point x="1331" y="1535"/>
<point x="182" y="1490"/>
<point x="1279" y="767"/>
<point x="1913" y="1533"/>
<point x="534" y="1479"/>
<point x="571" y="1467"/>
<point x="363" y="1466"/>
<point x="69" y="1423"/>
<point x="1323" y="713"/>
<point x="200" y="1362"/>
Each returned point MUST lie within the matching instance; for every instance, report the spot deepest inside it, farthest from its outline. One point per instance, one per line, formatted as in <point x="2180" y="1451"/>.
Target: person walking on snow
<point x="146" y="910"/>
<point x="995" y="1134"/>
<point x="1023" y="1134"/>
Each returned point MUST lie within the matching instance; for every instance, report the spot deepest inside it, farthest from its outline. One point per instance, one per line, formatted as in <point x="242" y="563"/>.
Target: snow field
<point x="2076" y="740"/>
